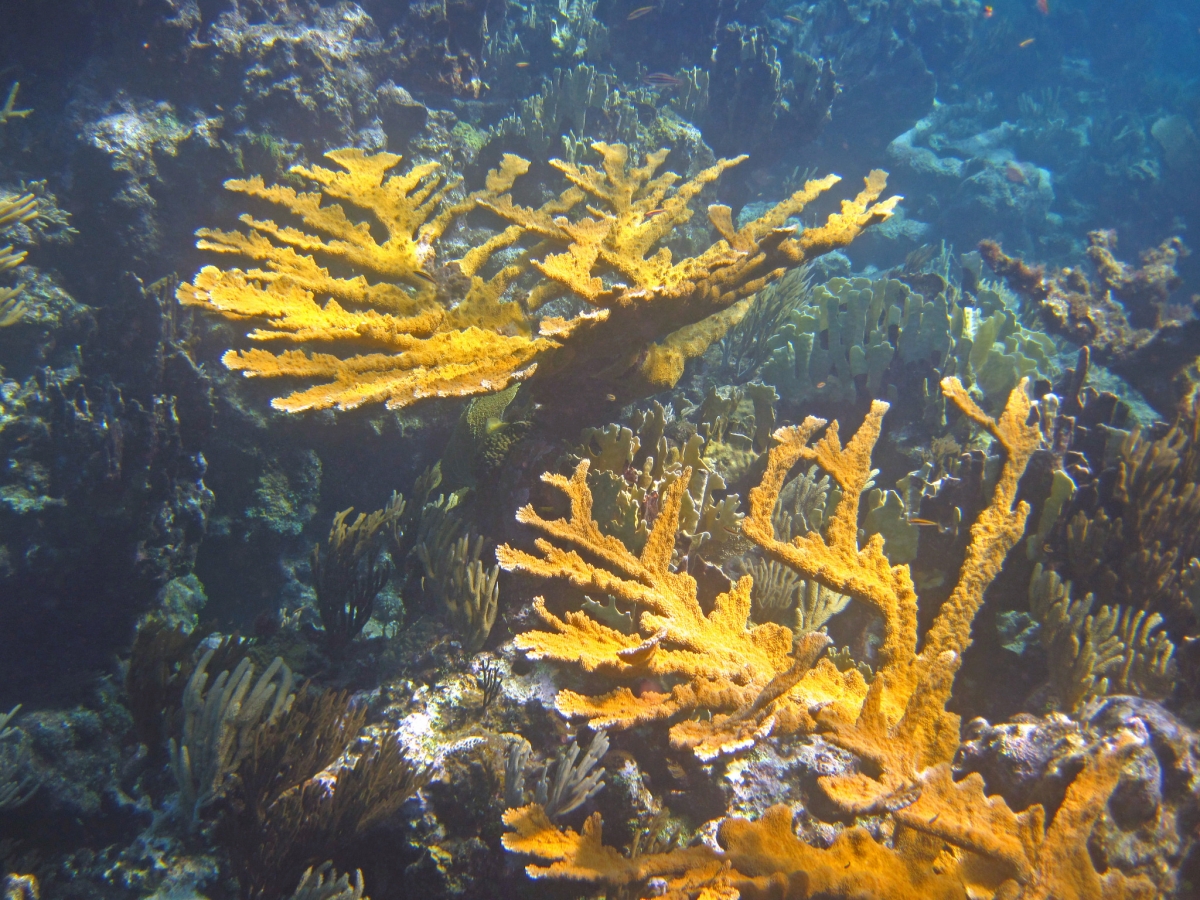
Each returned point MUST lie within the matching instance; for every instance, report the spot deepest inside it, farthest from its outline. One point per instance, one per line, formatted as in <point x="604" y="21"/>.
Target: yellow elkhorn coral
<point x="368" y="283"/>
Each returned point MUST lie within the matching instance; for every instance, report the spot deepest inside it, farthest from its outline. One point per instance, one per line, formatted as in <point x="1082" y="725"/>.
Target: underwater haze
<point x="549" y="449"/>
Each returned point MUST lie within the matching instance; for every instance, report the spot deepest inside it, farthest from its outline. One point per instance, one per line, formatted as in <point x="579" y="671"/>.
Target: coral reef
<point x="710" y="647"/>
<point x="997" y="853"/>
<point x="19" y="210"/>
<point x="218" y="726"/>
<point x="325" y="884"/>
<point x="96" y="483"/>
<point x="859" y="339"/>
<point x="1113" y="650"/>
<point x="777" y="658"/>
<point x="901" y="725"/>
<point x="469" y="592"/>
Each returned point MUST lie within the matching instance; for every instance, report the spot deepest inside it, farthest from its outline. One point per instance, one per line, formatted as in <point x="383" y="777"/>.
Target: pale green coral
<point x="625" y="495"/>
<point x="1113" y="650"/>
<point x="849" y="333"/>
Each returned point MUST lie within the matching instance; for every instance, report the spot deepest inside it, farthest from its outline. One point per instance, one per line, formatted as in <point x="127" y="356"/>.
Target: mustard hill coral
<point x="446" y="330"/>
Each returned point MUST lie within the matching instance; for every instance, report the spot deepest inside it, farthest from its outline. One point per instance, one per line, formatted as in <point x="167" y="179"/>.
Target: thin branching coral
<point x="17" y="786"/>
<point x="21" y="210"/>
<point x="1135" y="546"/>
<point x="446" y="330"/>
<point x="9" y="110"/>
<point x="902" y="727"/>
<point x="324" y="883"/>
<point x="220" y="723"/>
<point x="567" y="784"/>
<point x="469" y="592"/>
<point x="306" y="789"/>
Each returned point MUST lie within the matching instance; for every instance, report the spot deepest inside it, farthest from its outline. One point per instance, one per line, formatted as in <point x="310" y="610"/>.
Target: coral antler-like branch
<point x="437" y="330"/>
<point x="744" y="675"/>
<point x="902" y="727"/>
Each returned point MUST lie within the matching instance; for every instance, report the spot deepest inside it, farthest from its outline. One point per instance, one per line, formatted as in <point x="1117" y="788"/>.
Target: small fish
<point x="915" y="521"/>
<point x="1043" y="6"/>
<point x="424" y="276"/>
<point x="639" y="12"/>
<point x="795" y="19"/>
<point x="821" y="386"/>
<point x="611" y="398"/>
<point x="522" y="65"/>
<point x="988" y="12"/>
<point x="1026" y="43"/>
<point x="650" y="214"/>
<point x="1014" y="173"/>
<point x="662" y="79"/>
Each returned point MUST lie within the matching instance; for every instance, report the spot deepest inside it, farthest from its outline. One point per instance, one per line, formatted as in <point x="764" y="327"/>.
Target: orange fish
<point x="988" y="12"/>
<point x="639" y="12"/>
<point x="1028" y="42"/>
<point x="1043" y="6"/>
<point x="796" y="19"/>
<point x="1014" y="173"/>
<point x="522" y="65"/>
<point x="915" y="521"/>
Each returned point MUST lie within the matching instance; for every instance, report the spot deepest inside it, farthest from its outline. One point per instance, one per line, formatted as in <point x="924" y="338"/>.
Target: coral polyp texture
<point x="752" y="679"/>
<point x="407" y="326"/>
<point x="902" y="727"/>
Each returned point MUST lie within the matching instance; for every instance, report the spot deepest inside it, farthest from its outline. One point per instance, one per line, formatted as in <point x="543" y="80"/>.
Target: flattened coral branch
<point x="413" y="329"/>
<point x="836" y="560"/>
<point x="393" y="302"/>
<point x="583" y="856"/>
<point x="761" y="859"/>
<point x="716" y="661"/>
<point x="1045" y="862"/>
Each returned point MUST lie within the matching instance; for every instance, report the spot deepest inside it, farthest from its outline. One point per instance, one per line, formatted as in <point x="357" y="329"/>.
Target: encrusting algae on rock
<point x="443" y="329"/>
